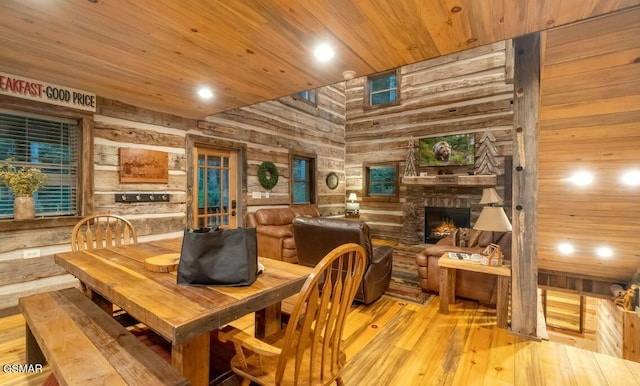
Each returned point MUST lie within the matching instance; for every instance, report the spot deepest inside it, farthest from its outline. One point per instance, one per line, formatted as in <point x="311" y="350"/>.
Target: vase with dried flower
<point x="23" y="183"/>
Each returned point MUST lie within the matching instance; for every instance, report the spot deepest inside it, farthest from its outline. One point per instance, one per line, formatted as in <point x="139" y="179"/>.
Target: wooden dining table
<point x="183" y="315"/>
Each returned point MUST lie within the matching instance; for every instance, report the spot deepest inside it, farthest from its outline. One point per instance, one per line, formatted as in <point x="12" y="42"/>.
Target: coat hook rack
<point x="142" y="197"/>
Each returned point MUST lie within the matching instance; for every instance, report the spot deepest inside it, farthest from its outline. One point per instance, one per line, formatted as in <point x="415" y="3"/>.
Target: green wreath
<point x="268" y="174"/>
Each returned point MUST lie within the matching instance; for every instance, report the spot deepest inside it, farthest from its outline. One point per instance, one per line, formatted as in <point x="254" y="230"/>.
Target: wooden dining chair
<point x="312" y="350"/>
<point x="102" y="231"/>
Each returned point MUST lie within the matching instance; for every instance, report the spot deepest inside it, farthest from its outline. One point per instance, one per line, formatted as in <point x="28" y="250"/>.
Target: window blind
<point x="50" y="144"/>
<point x="301" y="181"/>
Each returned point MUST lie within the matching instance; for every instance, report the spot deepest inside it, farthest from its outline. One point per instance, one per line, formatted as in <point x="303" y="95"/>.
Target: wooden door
<point x="214" y="194"/>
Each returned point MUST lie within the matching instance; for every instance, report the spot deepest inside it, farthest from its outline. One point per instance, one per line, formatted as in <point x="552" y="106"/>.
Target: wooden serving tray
<point x="162" y="263"/>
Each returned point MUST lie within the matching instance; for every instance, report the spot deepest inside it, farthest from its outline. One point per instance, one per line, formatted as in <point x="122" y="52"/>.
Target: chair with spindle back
<point x="102" y="231"/>
<point x="312" y="351"/>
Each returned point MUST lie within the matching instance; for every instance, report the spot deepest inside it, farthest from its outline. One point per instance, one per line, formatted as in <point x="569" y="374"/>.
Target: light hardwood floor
<point x="396" y="343"/>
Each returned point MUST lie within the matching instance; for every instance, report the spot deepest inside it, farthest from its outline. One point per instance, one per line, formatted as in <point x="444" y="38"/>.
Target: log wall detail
<point x="274" y="130"/>
<point x="466" y="92"/>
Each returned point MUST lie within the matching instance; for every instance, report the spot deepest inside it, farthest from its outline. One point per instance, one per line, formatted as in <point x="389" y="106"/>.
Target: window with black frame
<point x="302" y="180"/>
<point x="49" y="144"/>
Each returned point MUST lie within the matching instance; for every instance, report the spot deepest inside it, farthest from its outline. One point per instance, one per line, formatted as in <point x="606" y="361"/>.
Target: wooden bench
<point x="85" y="345"/>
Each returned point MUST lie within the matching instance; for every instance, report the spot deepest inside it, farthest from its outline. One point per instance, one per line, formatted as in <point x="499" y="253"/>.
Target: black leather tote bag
<point x="218" y="257"/>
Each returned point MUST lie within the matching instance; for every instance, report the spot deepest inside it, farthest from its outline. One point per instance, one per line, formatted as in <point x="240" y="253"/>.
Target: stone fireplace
<point x="440" y="222"/>
<point x="419" y="199"/>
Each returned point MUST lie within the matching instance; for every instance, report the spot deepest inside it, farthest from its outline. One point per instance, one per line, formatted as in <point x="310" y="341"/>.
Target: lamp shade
<point x="493" y="218"/>
<point x="490" y="196"/>
<point x="352" y="197"/>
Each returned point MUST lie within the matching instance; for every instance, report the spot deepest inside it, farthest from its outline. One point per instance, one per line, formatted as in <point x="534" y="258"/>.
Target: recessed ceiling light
<point x="631" y="178"/>
<point x="581" y="178"/>
<point x="205" y="93"/>
<point x="324" y="52"/>
<point x="566" y="248"/>
<point x="604" y="252"/>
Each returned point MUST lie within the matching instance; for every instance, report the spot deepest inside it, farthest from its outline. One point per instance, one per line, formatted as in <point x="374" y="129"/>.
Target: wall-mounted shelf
<point x="451" y="180"/>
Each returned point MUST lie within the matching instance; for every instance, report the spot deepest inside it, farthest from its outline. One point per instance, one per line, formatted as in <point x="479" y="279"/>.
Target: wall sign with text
<point x="36" y="90"/>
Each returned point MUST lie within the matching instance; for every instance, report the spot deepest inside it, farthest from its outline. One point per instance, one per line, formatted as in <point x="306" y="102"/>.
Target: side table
<point x="448" y="268"/>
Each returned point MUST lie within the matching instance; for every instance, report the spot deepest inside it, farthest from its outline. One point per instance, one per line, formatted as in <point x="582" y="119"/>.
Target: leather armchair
<point x="315" y="237"/>
<point x="274" y="232"/>
<point x="471" y="285"/>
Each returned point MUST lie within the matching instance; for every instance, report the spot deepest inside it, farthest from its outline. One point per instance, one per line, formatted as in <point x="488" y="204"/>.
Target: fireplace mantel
<point x="452" y="180"/>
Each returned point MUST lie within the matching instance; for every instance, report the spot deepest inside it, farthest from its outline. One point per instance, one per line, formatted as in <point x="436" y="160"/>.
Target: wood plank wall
<point x="609" y="328"/>
<point x="590" y="120"/>
<point x="116" y="126"/>
<point x="466" y="92"/>
<point x="275" y="129"/>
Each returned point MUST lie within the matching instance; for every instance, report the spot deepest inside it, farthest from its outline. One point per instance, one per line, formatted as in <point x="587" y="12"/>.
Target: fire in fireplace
<point x="441" y="222"/>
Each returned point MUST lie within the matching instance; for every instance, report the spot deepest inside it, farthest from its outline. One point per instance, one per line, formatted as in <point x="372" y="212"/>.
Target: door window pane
<point x="213" y="161"/>
<point x="201" y="186"/>
<point x="213" y="191"/>
<point x="215" y="179"/>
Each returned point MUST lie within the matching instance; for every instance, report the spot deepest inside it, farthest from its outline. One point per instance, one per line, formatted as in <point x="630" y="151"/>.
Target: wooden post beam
<point x="525" y="185"/>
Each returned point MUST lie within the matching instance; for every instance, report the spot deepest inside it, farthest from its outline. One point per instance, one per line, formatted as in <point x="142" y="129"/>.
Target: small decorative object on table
<point x="492" y="255"/>
<point x="23" y="183"/>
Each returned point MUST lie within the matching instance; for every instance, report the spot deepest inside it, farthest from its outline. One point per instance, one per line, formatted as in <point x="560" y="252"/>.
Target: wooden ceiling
<point x="156" y="53"/>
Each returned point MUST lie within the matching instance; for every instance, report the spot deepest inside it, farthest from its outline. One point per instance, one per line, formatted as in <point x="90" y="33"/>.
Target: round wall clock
<point x="332" y="180"/>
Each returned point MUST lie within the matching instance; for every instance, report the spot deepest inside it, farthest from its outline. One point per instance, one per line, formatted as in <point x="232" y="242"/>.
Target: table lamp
<point x="490" y="196"/>
<point x="353" y="208"/>
<point x="494" y="219"/>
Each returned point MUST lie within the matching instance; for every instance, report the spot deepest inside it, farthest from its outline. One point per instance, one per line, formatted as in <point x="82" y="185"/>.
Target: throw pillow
<point x="461" y="237"/>
<point x="474" y="236"/>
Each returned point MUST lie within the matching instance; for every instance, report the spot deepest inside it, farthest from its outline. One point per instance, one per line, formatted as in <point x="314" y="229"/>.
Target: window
<point x="302" y="180"/>
<point x="308" y="96"/>
<point x="381" y="180"/>
<point x="382" y="89"/>
<point x="50" y="144"/>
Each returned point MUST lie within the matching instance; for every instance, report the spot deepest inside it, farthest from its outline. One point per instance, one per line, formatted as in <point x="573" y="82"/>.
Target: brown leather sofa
<point x="315" y="237"/>
<point x="470" y="285"/>
<point x="274" y="231"/>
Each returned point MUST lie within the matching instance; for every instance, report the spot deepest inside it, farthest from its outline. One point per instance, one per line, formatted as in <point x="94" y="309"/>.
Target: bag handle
<point x="204" y="230"/>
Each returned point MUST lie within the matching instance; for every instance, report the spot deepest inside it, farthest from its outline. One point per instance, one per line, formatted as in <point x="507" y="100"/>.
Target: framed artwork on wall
<point x="141" y="165"/>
